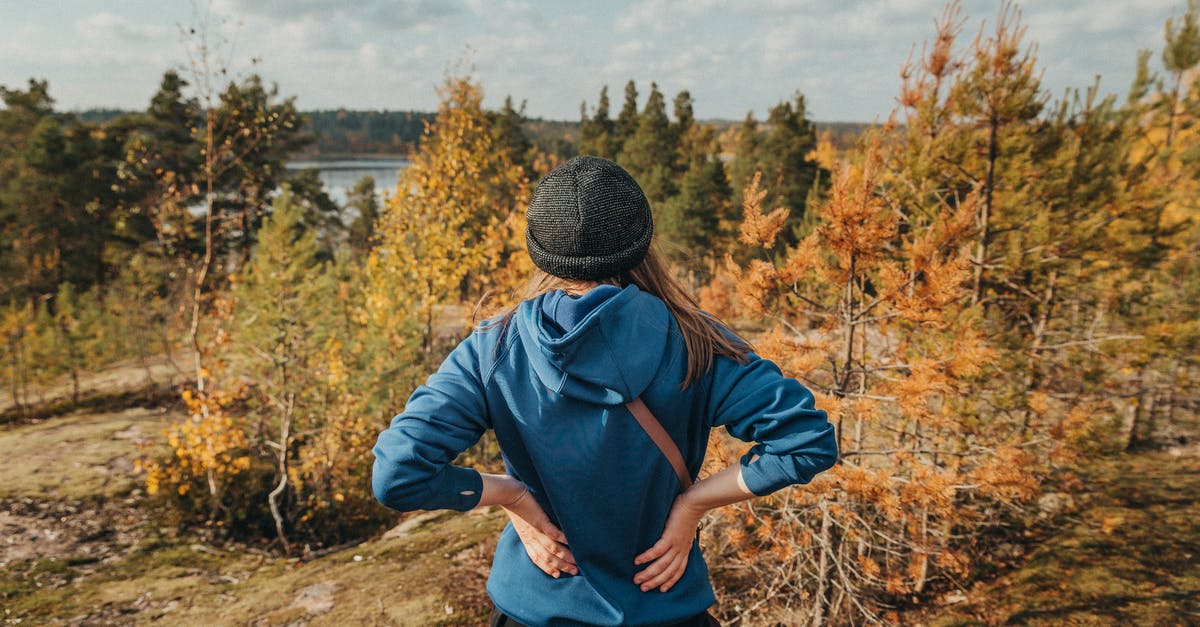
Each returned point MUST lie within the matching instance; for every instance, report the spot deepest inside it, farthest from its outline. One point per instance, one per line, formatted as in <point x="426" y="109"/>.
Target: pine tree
<point x="162" y="163"/>
<point x="867" y="315"/>
<point x="57" y="201"/>
<point x="281" y="325"/>
<point x="745" y="159"/>
<point x="509" y="135"/>
<point x="1180" y="55"/>
<point x="320" y="212"/>
<point x="690" y="222"/>
<point x="598" y="134"/>
<point x="253" y="132"/>
<point x="361" y="200"/>
<point x="1154" y="294"/>
<point x="650" y="154"/>
<point x="685" y="119"/>
<point x="999" y="95"/>
<point x="783" y="158"/>
<point x="627" y="119"/>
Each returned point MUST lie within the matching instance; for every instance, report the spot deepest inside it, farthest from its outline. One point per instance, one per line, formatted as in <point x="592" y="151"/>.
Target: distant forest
<point x="344" y="132"/>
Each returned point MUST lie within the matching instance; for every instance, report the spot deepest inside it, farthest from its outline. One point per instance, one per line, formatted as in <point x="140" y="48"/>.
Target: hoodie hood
<point x="605" y="347"/>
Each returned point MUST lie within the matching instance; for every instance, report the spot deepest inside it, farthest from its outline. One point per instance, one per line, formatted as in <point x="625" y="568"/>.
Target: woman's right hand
<point x="545" y="543"/>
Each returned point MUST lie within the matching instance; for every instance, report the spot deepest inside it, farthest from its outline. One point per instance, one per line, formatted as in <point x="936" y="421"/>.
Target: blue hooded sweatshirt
<point x="552" y="383"/>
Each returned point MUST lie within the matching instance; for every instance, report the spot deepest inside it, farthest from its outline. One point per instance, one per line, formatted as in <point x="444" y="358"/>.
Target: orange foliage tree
<point x="986" y="286"/>
<point x="876" y="320"/>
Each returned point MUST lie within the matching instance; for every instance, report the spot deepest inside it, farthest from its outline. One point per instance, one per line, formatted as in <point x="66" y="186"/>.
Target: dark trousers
<point x="699" y="620"/>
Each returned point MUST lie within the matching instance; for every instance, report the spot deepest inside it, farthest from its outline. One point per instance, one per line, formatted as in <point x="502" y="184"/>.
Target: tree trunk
<point x="285" y="427"/>
<point x="985" y="211"/>
<point x="1139" y="428"/>
<point x="202" y="273"/>
<point x="822" y="598"/>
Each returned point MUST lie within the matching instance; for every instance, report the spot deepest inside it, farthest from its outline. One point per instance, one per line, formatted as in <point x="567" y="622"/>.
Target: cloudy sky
<point x="734" y="56"/>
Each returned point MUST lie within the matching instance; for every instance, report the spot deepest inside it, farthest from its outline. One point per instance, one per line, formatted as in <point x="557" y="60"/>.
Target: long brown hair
<point x="704" y="336"/>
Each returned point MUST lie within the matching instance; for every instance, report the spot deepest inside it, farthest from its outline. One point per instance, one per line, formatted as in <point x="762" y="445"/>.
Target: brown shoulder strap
<point x="661" y="439"/>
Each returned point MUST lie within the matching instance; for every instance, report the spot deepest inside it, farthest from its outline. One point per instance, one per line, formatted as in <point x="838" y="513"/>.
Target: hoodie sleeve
<point x="441" y="419"/>
<point x="756" y="403"/>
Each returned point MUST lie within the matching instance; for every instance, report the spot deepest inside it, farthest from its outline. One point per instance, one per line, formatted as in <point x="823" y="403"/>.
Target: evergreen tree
<point x="161" y="168"/>
<point x="745" y="160"/>
<point x="509" y="135"/>
<point x="650" y="155"/>
<point x="319" y="212"/>
<point x="999" y="96"/>
<point x="243" y="135"/>
<point x="783" y="159"/>
<point x="281" y="325"/>
<point x="1156" y="234"/>
<point x="692" y="219"/>
<point x="362" y="201"/>
<point x="627" y="119"/>
<point x="598" y="134"/>
<point x="858" y="277"/>
<point x="685" y="119"/>
<point x="58" y="208"/>
<point x="252" y="134"/>
<point x="1180" y="55"/>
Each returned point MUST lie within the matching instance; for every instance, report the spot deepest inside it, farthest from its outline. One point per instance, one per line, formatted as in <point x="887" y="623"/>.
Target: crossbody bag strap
<point x="661" y="439"/>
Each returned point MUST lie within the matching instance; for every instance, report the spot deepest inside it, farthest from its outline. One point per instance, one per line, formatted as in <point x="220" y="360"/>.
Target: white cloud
<point x="115" y="30"/>
<point x="732" y="55"/>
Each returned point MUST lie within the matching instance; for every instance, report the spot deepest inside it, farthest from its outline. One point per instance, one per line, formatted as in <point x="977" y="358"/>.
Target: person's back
<point x="552" y="378"/>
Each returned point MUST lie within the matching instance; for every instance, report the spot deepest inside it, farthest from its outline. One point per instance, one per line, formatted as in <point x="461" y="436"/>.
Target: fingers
<point x="532" y="535"/>
<point x="654" y="552"/>
<point x="544" y="542"/>
<point x="678" y="573"/>
<point x="550" y="556"/>
<point x="655" y="568"/>
<point x="667" y="575"/>
<point x="551" y="562"/>
<point x="556" y="550"/>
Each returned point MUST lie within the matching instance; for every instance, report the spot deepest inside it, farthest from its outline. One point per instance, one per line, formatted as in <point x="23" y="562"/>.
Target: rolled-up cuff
<point x="456" y="488"/>
<point x="760" y="481"/>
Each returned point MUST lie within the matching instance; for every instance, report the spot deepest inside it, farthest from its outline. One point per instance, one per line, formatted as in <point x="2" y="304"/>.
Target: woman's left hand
<point x="668" y="558"/>
<point x="545" y="543"/>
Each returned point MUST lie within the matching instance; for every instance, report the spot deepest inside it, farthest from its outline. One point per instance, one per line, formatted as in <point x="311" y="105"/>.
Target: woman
<point x="600" y="531"/>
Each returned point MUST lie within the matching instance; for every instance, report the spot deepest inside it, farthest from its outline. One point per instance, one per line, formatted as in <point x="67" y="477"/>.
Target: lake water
<point x="339" y="175"/>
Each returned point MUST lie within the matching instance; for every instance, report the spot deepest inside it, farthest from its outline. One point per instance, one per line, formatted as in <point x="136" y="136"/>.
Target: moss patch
<point x="78" y="456"/>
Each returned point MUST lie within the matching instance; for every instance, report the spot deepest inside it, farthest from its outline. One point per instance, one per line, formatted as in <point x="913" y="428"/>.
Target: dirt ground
<point x="131" y="377"/>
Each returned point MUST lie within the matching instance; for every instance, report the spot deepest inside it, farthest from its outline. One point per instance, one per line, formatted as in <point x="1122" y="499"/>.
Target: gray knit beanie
<point x="588" y="219"/>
